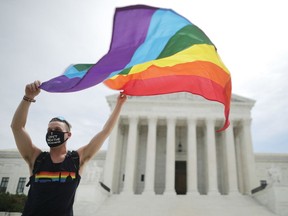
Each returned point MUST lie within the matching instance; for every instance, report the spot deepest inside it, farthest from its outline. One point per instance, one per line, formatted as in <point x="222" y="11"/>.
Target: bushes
<point x="12" y="202"/>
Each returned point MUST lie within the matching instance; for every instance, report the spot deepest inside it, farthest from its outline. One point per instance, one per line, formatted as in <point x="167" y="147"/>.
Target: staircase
<point x="181" y="205"/>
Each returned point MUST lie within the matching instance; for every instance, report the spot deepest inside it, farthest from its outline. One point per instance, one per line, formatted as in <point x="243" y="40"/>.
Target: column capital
<point x="171" y="119"/>
<point x="191" y="119"/>
<point x="210" y="120"/>
<point x="231" y="123"/>
<point x="246" y="122"/>
<point x="152" y="118"/>
<point x="133" y="118"/>
<point x="229" y="128"/>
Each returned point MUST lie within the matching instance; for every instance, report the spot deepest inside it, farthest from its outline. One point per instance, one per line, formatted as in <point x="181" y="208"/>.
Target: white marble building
<point x="166" y="158"/>
<point x="211" y="163"/>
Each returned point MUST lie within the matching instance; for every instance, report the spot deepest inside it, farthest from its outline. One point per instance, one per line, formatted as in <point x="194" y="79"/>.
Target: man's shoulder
<point x="74" y="155"/>
<point x="39" y="159"/>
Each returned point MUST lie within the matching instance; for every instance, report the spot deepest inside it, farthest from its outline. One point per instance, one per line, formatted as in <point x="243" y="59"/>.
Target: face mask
<point x="55" y="138"/>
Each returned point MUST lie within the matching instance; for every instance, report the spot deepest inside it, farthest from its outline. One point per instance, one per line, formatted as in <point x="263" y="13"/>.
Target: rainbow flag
<point x="153" y="51"/>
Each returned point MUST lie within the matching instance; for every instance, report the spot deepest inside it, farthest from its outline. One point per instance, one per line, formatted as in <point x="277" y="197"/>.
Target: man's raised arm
<point x="23" y="141"/>
<point x="89" y="150"/>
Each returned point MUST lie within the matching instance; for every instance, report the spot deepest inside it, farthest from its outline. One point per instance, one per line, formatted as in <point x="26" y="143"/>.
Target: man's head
<point x="58" y="132"/>
<point x="62" y="120"/>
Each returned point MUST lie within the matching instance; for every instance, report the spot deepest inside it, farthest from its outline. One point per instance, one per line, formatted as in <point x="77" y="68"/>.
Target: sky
<point x="40" y="39"/>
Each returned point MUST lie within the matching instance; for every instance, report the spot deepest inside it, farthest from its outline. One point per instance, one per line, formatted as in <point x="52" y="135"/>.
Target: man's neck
<point x="58" y="153"/>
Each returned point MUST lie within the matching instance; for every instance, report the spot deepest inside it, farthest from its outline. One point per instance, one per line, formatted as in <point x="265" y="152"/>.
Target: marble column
<point x="231" y="160"/>
<point x="212" y="187"/>
<point x="108" y="175"/>
<point x="131" y="154"/>
<point x="170" y="157"/>
<point x="248" y="156"/>
<point x="192" y="158"/>
<point x="150" y="156"/>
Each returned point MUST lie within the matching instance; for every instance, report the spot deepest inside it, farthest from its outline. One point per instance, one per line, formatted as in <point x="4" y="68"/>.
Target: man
<point x="55" y="175"/>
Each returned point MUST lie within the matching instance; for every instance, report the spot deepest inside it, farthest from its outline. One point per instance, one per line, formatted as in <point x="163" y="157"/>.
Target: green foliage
<point x="12" y="202"/>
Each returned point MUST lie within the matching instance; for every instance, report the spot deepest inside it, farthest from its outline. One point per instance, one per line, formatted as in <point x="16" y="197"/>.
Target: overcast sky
<point x="40" y="39"/>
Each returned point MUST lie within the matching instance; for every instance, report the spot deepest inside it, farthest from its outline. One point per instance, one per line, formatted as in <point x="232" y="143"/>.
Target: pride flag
<point x="153" y="51"/>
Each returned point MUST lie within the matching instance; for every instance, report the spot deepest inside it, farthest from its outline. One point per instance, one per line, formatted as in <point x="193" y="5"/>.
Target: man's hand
<point x="32" y="89"/>
<point x="121" y="98"/>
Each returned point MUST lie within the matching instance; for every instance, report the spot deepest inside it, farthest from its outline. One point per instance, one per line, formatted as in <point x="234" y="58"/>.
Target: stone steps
<point x="181" y="205"/>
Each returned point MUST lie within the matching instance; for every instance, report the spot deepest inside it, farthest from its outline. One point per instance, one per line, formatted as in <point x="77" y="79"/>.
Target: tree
<point x="12" y="202"/>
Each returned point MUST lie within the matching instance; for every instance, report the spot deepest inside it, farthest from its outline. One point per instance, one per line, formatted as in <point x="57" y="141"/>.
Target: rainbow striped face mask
<point x="55" y="138"/>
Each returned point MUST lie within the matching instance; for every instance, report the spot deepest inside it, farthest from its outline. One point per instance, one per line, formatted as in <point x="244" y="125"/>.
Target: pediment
<point x="182" y="97"/>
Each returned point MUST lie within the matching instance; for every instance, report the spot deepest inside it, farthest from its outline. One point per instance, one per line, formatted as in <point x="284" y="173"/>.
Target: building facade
<point x="172" y="143"/>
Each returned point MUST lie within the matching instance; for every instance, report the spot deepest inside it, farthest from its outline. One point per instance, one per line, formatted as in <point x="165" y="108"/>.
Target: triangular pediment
<point x="183" y="96"/>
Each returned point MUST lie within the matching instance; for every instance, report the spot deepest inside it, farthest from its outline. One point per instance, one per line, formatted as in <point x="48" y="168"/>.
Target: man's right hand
<point x="32" y="89"/>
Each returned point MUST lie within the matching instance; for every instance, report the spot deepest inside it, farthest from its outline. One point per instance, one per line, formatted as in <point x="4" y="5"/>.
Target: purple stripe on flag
<point x="60" y="84"/>
<point x="127" y="36"/>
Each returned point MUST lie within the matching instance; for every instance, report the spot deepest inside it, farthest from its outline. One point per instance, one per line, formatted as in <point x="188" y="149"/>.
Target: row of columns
<point x="130" y="166"/>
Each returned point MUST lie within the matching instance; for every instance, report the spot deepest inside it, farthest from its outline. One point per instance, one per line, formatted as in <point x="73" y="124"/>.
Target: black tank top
<point x="53" y="186"/>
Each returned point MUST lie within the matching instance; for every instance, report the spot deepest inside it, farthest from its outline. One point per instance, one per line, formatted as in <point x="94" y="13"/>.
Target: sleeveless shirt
<point x="53" y="187"/>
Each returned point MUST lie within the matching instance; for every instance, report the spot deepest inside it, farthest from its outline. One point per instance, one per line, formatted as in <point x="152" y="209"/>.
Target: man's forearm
<point x="112" y="119"/>
<point x="20" y="116"/>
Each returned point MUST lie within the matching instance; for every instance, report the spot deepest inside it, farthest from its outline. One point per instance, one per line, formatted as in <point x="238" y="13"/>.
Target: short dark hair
<point x="61" y="119"/>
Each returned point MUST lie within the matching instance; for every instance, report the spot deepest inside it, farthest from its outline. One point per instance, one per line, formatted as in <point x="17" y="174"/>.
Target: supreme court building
<point x="169" y="145"/>
<point x="164" y="157"/>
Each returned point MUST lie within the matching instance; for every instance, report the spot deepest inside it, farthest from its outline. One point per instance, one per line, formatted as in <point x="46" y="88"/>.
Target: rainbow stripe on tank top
<point x="63" y="176"/>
